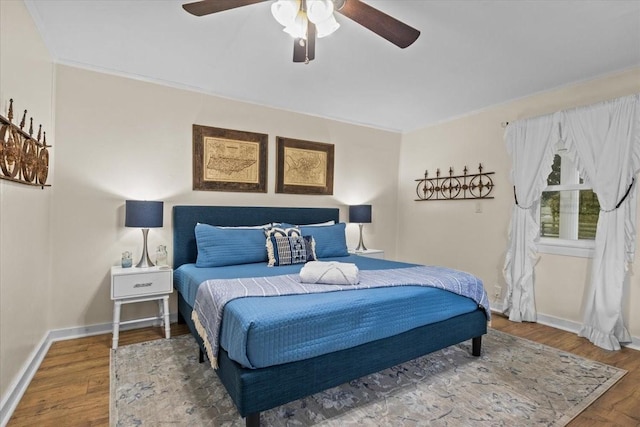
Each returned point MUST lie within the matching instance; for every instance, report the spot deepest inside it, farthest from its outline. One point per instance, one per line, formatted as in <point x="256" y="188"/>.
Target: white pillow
<point x="320" y="224"/>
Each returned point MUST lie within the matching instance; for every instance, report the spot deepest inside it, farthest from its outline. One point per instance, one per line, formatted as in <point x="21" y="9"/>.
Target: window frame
<point x="583" y="248"/>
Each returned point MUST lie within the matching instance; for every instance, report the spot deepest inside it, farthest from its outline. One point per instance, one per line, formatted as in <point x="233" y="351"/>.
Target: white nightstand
<point x="131" y="285"/>
<point x="371" y="253"/>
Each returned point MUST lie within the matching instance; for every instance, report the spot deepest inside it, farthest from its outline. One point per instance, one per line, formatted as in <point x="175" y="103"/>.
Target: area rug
<point x="514" y="382"/>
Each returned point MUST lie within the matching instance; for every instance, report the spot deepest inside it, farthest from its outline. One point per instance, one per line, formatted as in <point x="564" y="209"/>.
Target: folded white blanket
<point x="330" y="273"/>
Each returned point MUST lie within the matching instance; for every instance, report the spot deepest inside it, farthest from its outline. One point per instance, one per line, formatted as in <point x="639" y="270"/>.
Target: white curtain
<point x="604" y="141"/>
<point x="532" y="145"/>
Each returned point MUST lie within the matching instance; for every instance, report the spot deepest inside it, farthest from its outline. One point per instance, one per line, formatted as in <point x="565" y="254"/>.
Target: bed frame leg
<point x="253" y="420"/>
<point x="181" y="320"/>
<point x="200" y="355"/>
<point x="476" y="345"/>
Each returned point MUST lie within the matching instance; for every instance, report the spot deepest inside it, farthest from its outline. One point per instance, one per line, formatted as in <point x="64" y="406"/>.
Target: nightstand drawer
<point x="135" y="285"/>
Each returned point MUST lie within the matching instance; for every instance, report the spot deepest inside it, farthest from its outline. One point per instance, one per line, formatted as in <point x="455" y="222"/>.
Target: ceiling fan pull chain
<point x="306" y="49"/>
<point x="303" y="6"/>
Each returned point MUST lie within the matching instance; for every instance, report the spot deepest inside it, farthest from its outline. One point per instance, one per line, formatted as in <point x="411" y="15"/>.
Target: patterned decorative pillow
<point x="280" y="231"/>
<point x="281" y="225"/>
<point x="287" y="250"/>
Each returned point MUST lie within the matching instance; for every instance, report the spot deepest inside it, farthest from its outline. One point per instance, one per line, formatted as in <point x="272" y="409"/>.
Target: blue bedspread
<point x="258" y="332"/>
<point x="187" y="278"/>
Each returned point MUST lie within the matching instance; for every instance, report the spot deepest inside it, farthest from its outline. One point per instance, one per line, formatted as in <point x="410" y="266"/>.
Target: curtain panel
<point x="531" y="144"/>
<point x="604" y="141"/>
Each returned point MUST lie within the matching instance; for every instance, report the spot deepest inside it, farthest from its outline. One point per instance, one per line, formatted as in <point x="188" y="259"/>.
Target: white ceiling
<point x="470" y="54"/>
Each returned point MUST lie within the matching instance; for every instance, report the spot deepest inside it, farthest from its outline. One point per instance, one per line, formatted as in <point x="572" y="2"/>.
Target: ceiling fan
<point x="306" y="20"/>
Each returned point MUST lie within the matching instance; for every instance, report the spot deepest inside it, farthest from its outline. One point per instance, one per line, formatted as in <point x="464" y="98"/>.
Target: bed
<point x="257" y="385"/>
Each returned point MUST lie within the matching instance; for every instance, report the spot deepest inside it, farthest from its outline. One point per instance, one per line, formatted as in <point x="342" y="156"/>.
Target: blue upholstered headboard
<point x="185" y="219"/>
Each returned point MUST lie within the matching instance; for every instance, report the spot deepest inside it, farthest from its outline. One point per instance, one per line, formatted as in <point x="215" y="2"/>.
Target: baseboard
<point x="19" y="386"/>
<point x="564" y="324"/>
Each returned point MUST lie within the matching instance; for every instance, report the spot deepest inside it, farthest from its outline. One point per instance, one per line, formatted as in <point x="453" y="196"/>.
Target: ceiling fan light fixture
<point x="319" y="10"/>
<point x="285" y="11"/>
<point x="298" y="28"/>
<point x="327" y="27"/>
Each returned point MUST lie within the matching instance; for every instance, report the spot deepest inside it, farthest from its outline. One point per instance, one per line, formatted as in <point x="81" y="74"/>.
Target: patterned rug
<point x="514" y="382"/>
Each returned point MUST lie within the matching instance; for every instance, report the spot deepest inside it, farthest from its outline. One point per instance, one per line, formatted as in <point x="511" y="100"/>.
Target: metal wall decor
<point x="23" y="158"/>
<point x="455" y="187"/>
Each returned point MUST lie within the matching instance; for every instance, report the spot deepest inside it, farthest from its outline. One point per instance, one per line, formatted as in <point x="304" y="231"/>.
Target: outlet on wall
<point x="497" y="291"/>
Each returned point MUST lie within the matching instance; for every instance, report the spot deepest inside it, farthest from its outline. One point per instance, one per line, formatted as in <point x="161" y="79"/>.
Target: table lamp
<point x="143" y="214"/>
<point x="360" y="214"/>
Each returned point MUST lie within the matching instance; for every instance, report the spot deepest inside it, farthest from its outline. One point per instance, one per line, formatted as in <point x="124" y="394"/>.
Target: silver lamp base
<point x="361" y="247"/>
<point x="145" y="261"/>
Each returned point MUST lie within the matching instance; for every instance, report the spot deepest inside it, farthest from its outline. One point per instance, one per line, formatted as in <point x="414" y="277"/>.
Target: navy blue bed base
<point x="256" y="390"/>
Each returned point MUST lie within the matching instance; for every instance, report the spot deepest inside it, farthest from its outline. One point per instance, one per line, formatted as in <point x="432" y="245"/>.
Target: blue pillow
<point x="331" y="240"/>
<point x="219" y="246"/>
<point x="287" y="250"/>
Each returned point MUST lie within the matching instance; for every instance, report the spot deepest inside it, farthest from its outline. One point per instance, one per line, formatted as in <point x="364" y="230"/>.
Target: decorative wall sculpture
<point x="455" y="187"/>
<point x="23" y="158"/>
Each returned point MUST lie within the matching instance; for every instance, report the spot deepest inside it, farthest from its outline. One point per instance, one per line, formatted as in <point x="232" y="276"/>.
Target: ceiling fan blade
<point x="305" y="51"/>
<point x="380" y="23"/>
<point x="205" y="7"/>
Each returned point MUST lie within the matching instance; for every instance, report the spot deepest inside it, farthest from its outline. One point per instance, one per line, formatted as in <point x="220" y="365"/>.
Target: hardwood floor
<point x="71" y="387"/>
<point x="620" y="405"/>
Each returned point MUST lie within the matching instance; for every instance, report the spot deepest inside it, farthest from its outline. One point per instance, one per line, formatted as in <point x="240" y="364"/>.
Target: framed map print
<point x="304" y="167"/>
<point x="229" y="160"/>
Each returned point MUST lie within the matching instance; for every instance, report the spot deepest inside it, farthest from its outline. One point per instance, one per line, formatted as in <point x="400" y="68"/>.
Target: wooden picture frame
<point x="229" y="160"/>
<point x="304" y="167"/>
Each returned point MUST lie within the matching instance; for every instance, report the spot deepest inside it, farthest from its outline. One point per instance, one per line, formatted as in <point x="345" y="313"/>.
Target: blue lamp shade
<point x="360" y="214"/>
<point x="143" y="214"/>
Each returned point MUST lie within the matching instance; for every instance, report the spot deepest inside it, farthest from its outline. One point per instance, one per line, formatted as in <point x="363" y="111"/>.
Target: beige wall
<point x="452" y="233"/>
<point x="26" y="75"/>
<point x="120" y="138"/>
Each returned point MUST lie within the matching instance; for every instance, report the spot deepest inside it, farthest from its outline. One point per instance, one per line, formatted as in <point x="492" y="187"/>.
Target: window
<point x="568" y="211"/>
